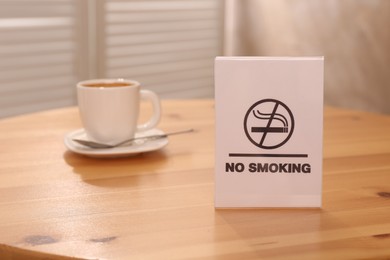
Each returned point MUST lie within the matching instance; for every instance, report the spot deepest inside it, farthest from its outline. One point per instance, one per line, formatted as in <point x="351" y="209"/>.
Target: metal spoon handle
<point x="154" y="136"/>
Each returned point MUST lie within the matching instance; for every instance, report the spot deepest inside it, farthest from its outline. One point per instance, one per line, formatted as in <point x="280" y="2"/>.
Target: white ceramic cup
<point x="110" y="113"/>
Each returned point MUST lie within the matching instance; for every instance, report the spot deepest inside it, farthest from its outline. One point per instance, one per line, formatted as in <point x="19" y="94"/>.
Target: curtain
<point x="352" y="35"/>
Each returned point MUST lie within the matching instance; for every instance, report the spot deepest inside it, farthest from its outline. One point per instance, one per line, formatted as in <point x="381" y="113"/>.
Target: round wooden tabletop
<point x="160" y="205"/>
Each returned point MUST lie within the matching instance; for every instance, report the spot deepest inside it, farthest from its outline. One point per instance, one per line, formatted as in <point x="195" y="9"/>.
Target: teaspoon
<point x="97" y="145"/>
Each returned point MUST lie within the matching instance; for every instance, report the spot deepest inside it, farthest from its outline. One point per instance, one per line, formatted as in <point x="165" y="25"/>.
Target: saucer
<point x="121" y="151"/>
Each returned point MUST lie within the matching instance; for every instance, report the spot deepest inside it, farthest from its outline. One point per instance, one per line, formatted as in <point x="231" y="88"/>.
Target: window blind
<point x="169" y="46"/>
<point x="46" y="46"/>
<point x="37" y="55"/>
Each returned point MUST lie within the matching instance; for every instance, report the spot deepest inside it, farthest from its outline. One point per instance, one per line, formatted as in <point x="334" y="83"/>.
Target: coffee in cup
<point x="106" y="84"/>
<point x="109" y="109"/>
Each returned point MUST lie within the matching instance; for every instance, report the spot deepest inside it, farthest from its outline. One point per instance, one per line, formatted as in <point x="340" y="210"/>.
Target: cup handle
<point x="149" y="95"/>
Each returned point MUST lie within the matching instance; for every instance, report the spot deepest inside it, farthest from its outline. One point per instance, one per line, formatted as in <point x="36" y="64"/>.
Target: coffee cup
<point x="109" y="109"/>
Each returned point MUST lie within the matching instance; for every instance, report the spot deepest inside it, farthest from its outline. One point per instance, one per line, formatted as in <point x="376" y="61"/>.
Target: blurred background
<point x="47" y="46"/>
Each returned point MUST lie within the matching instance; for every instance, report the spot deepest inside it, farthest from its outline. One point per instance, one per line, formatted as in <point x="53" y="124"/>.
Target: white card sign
<point x="269" y="123"/>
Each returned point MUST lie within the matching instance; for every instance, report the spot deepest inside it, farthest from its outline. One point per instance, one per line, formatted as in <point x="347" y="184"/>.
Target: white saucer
<point x="121" y="151"/>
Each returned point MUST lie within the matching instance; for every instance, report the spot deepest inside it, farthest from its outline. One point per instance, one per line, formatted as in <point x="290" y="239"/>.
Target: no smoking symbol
<point x="269" y="123"/>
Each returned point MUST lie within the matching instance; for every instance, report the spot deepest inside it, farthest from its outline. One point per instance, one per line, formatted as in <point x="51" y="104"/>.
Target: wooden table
<point x="159" y="205"/>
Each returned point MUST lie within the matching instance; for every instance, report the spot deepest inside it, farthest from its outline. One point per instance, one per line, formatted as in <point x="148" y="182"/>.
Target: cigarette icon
<point x="270" y="117"/>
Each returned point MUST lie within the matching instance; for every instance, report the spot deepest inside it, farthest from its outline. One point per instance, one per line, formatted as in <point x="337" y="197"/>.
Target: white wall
<point x="353" y="35"/>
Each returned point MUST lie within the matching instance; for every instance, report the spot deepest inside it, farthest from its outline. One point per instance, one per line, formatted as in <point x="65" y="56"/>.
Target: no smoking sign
<point x="269" y="123"/>
<point x="269" y="118"/>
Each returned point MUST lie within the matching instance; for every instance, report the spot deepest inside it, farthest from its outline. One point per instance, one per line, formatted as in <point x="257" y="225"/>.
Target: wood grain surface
<point x="159" y="205"/>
